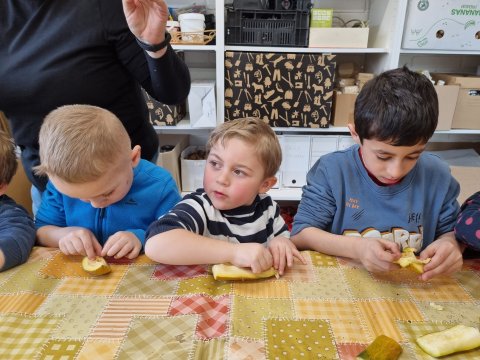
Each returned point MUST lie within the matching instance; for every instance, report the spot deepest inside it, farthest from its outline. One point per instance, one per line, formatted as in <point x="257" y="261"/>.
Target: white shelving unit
<point x="386" y="19"/>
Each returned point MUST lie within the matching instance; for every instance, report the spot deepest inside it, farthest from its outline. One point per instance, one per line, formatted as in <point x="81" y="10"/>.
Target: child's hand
<point x="122" y="244"/>
<point x="446" y="257"/>
<point x="80" y="241"/>
<point x="378" y="254"/>
<point x="253" y="255"/>
<point x="283" y="251"/>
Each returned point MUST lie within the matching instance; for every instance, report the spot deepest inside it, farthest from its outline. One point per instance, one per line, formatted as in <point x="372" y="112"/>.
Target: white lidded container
<point x="192" y="26"/>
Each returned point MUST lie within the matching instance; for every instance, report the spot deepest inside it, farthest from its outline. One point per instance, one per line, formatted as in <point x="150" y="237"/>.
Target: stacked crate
<point x="268" y="23"/>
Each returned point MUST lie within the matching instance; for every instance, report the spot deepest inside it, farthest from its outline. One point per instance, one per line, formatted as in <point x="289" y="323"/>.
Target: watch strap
<point x="156" y="47"/>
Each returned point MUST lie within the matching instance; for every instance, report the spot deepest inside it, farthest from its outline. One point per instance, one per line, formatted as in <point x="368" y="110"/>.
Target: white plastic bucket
<point x="192" y="26"/>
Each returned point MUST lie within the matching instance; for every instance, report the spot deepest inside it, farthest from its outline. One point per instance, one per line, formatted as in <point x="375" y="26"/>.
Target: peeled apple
<point x="232" y="272"/>
<point x="457" y="338"/>
<point x="409" y="259"/>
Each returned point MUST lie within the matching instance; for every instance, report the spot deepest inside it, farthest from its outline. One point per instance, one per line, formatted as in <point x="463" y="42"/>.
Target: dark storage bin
<point x="267" y="28"/>
<point x="293" y="4"/>
<point x="252" y="4"/>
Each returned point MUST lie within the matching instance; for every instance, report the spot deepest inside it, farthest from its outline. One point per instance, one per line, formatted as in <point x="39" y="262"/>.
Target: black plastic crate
<point x="253" y="4"/>
<point x="267" y="27"/>
<point x="293" y="4"/>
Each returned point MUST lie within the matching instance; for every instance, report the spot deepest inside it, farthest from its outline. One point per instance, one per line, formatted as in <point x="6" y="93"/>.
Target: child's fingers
<point x="299" y="256"/>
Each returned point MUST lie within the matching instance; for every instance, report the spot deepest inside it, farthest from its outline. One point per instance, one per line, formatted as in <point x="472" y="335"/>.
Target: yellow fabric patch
<point x="293" y="339"/>
<point x="262" y="289"/>
<point x="21" y="303"/>
<point x="204" y="285"/>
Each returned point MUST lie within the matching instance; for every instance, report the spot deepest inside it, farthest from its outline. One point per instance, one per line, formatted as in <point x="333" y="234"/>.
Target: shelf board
<point x="286" y="194"/>
<point x="439" y="52"/>
<point x="306" y="50"/>
<point x="194" y="47"/>
<point x="183" y="125"/>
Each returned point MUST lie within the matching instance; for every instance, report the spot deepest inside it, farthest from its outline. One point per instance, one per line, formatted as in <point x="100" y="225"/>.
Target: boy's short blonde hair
<point x="78" y="143"/>
<point x="255" y="132"/>
<point x="8" y="158"/>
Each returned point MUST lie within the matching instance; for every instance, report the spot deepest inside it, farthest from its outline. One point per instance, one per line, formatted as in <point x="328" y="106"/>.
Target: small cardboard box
<point x="468" y="177"/>
<point x="447" y="101"/>
<point x="164" y="115"/>
<point x="202" y="105"/>
<point x="338" y="38"/>
<point x="343" y="108"/>
<point x="442" y="24"/>
<point x="468" y="101"/>
<point x="282" y="89"/>
<point x="192" y="170"/>
<point x="171" y="146"/>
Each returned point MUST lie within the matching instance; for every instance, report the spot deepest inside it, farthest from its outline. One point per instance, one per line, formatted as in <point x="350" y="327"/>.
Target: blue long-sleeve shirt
<point x="17" y="233"/>
<point x="341" y="198"/>
<point x="152" y="194"/>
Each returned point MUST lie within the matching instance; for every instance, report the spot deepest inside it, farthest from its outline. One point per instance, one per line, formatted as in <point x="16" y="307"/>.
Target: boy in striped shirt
<point x="243" y="157"/>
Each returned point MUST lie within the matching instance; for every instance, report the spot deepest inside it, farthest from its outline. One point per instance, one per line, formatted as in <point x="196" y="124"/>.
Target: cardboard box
<point x="202" y="105"/>
<point x="171" y="146"/>
<point x="467" y="109"/>
<point x="338" y="38"/>
<point x="192" y="170"/>
<point x="164" y="115"/>
<point x="19" y="188"/>
<point x="343" y="108"/>
<point x="283" y="89"/>
<point x="447" y="101"/>
<point x="468" y="177"/>
<point x="442" y="24"/>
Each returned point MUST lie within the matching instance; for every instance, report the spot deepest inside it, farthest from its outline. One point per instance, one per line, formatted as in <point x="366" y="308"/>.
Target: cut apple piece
<point x="409" y="259"/>
<point x="232" y="272"/>
<point x="96" y="267"/>
<point x="382" y="348"/>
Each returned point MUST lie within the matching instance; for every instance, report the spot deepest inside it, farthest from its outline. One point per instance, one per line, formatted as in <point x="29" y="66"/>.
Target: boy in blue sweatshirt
<point x="17" y="232"/>
<point x="384" y="193"/>
<point x="101" y="196"/>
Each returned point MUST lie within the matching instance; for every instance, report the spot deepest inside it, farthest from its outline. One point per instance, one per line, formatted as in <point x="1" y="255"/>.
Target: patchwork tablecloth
<point x="328" y="309"/>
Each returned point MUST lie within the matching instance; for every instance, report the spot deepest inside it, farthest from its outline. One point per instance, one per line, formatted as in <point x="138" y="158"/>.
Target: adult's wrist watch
<point x="156" y="47"/>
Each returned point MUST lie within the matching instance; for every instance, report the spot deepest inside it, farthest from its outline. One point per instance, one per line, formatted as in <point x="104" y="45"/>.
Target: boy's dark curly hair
<point x="399" y="107"/>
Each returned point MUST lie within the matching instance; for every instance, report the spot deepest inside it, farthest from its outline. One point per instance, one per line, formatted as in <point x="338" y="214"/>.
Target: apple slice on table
<point x="96" y="267"/>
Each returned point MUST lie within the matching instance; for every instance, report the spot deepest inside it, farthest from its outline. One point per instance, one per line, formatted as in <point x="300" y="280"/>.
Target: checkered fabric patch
<point x="169" y="272"/>
<point x="350" y="351"/>
<point x="293" y="339"/>
<point x="139" y="280"/>
<point x="240" y="349"/>
<point x="22" y="336"/>
<point x="342" y="315"/>
<point x="104" y="285"/>
<point x="40" y="253"/>
<point x="159" y="338"/>
<point x="300" y="272"/>
<point x="56" y="349"/>
<point x="262" y="289"/>
<point x="213" y="313"/>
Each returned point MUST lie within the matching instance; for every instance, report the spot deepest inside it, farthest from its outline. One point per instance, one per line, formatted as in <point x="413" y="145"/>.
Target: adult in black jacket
<point x="54" y="53"/>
